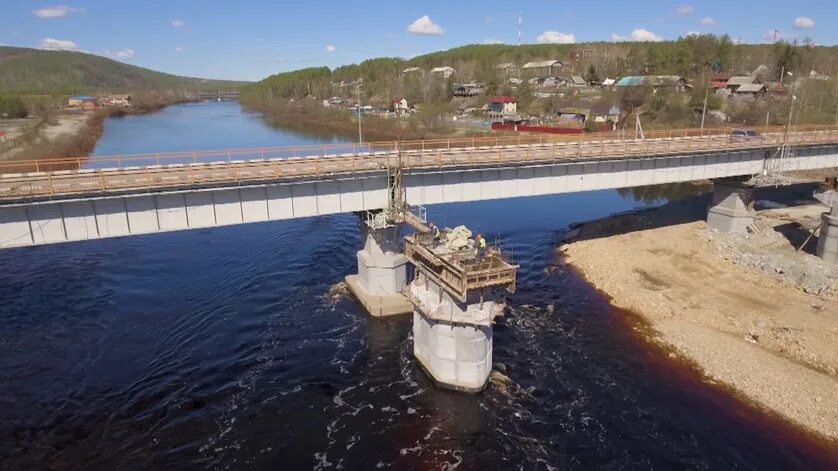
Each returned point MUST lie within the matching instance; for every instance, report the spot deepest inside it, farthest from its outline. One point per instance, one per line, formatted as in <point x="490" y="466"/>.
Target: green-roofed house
<point x="673" y="82"/>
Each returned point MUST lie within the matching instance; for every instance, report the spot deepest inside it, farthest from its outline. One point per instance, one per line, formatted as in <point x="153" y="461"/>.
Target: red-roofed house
<point x="400" y="105"/>
<point x="503" y="105"/>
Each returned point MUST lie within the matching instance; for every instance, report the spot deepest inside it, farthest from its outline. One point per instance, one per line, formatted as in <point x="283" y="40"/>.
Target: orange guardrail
<point x="265" y="153"/>
<point x="147" y="171"/>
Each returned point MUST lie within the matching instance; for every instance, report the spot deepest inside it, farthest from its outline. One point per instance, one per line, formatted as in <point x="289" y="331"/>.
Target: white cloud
<point x="684" y="9"/>
<point x="52" y="44"/>
<point x="57" y="11"/>
<point x="693" y="33"/>
<point x="492" y="41"/>
<point x="330" y="48"/>
<point x="708" y="21"/>
<point x="125" y="54"/>
<point x="556" y="37"/>
<point x="425" y="25"/>
<point x="804" y="22"/>
<point x="639" y="35"/>
<point x="178" y="23"/>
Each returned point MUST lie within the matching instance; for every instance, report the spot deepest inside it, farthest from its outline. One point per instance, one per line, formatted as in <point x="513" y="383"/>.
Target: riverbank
<point x="75" y="133"/>
<point x="302" y="115"/>
<point x="763" y="336"/>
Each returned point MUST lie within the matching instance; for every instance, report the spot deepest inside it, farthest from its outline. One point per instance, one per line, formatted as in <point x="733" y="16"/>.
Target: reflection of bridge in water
<point x="51" y="201"/>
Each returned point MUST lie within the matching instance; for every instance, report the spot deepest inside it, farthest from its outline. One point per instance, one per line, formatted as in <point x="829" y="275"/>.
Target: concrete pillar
<point x="732" y="209"/>
<point x="382" y="273"/>
<point x="828" y="238"/>
<point x="451" y="339"/>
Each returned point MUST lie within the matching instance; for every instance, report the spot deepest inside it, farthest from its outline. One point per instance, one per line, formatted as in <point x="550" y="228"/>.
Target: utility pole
<point x="520" y="23"/>
<point x="704" y="111"/>
<point x="358" y="93"/>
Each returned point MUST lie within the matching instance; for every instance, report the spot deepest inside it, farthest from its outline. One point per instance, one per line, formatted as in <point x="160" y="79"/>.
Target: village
<point x="560" y="100"/>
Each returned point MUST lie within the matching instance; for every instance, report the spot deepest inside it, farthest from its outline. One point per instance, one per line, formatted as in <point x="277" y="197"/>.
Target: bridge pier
<point x="732" y="209"/>
<point x="382" y="272"/>
<point x="452" y="339"/>
<point x="828" y="238"/>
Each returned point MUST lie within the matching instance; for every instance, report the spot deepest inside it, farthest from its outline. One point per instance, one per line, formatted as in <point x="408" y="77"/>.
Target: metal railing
<point x="22" y="179"/>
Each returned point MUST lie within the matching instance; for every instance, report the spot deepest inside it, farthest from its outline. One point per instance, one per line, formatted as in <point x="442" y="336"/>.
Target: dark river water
<point x="223" y="349"/>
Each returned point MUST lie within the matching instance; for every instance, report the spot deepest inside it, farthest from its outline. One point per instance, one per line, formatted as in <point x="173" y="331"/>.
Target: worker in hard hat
<point x="435" y="232"/>
<point x="481" y="245"/>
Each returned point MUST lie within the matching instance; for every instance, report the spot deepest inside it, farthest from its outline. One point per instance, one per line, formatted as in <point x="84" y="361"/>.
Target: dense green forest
<point x="694" y="57"/>
<point x="26" y="71"/>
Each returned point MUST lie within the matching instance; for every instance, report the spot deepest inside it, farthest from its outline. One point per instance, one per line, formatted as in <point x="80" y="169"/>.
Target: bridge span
<point x="453" y="296"/>
<point x="51" y="201"/>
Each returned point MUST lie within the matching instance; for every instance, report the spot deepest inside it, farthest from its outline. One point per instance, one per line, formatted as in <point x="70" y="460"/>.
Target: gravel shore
<point x="769" y="337"/>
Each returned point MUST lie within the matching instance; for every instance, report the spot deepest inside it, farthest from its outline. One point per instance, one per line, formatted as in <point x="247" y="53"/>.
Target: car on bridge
<point x="745" y="135"/>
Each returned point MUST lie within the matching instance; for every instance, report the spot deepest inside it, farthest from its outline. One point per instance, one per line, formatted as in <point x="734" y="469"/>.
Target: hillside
<point x="696" y="58"/>
<point x="33" y="71"/>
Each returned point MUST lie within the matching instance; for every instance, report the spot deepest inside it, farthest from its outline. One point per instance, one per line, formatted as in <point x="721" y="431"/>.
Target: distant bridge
<point x="50" y="201"/>
<point x="222" y="94"/>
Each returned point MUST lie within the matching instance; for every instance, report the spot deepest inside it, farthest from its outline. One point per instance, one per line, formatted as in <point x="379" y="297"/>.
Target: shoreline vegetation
<point x="301" y="115"/>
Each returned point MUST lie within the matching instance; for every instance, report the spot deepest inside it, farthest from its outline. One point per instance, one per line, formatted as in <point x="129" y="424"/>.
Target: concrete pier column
<point x="452" y="339"/>
<point x="828" y="238"/>
<point x="732" y="209"/>
<point x="382" y="273"/>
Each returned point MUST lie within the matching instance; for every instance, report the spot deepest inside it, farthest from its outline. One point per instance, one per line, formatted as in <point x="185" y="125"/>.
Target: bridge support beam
<point x="451" y="339"/>
<point x="828" y="238"/>
<point x="382" y="273"/>
<point x="732" y="209"/>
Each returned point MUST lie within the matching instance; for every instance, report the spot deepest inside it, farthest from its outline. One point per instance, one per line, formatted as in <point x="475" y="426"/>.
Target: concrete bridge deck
<point x="53" y="201"/>
<point x="152" y="172"/>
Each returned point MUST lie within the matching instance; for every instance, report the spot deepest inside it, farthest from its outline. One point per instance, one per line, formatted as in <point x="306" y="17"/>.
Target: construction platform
<point x="456" y="299"/>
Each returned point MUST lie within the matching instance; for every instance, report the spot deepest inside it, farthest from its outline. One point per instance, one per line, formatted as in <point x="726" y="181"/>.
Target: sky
<point x="251" y="39"/>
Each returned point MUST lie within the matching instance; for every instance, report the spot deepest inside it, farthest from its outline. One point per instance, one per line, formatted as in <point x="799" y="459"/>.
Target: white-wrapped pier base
<point x="455" y="304"/>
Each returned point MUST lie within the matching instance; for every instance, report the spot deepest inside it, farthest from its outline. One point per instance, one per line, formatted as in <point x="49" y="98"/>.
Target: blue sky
<point x="251" y="39"/>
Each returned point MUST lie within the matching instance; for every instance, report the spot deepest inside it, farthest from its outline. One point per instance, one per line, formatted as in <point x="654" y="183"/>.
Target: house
<point x="543" y="68"/>
<point x="445" y="72"/>
<point x="116" y="100"/>
<point x="605" y="113"/>
<point x="553" y="82"/>
<point x="508" y="68"/>
<point x="577" y="81"/>
<point x="573" y="116"/>
<point x="469" y="89"/>
<point x="503" y="106"/>
<point x="400" y="105"/>
<point x="656" y="82"/>
<point x="608" y="82"/>
<point x="734" y="83"/>
<point x="410" y="70"/>
<point x="750" y="90"/>
<point x="80" y="101"/>
<point x="515" y="81"/>
<point x="719" y="80"/>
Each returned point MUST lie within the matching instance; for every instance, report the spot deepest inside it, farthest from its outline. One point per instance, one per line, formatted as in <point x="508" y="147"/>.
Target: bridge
<point x="63" y="200"/>
<point x="219" y="95"/>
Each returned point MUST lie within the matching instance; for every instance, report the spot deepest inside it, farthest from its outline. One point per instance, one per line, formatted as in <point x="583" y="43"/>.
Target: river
<point x="223" y="349"/>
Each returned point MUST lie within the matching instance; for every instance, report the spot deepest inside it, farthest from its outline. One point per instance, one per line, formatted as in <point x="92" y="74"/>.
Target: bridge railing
<point x="148" y="171"/>
<point x="355" y="149"/>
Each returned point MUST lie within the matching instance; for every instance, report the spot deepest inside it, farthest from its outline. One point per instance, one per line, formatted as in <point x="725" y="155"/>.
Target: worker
<point x="437" y="235"/>
<point x="481" y="245"/>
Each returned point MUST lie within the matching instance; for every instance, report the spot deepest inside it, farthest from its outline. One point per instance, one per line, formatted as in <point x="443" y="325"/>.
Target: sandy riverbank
<point x="746" y="326"/>
<point x="65" y="135"/>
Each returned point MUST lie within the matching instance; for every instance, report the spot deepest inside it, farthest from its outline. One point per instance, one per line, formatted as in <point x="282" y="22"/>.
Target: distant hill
<point x="33" y="71"/>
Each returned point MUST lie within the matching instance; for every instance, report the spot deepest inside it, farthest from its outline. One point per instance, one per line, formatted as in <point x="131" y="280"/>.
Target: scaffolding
<point x="459" y="271"/>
